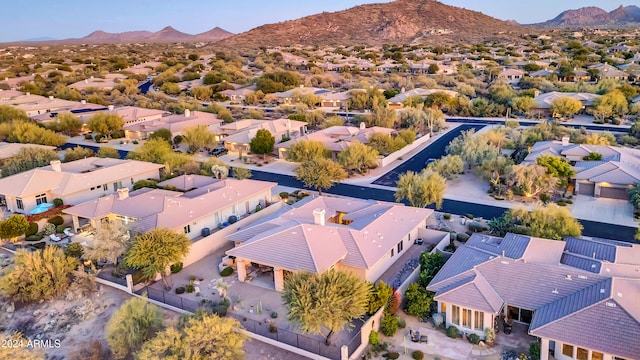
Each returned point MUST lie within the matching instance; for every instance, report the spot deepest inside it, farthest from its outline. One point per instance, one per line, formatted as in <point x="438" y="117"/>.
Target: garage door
<point x="614" y="193"/>
<point x="586" y="188"/>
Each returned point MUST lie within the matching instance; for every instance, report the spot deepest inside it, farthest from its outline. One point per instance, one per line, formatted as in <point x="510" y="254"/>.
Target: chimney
<point x="301" y="86"/>
<point x="536" y="93"/>
<point x="288" y="124"/>
<point x="318" y="216"/>
<point x="187" y="113"/>
<point x="55" y="165"/>
<point x="565" y="141"/>
<point x="363" y="125"/>
<point x="123" y="193"/>
<point x="28" y="93"/>
<point x="110" y="107"/>
<point x="50" y="97"/>
<point x="86" y="81"/>
<point x="83" y="102"/>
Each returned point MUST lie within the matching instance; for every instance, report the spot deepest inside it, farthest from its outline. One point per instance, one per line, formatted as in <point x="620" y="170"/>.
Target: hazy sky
<point x="28" y="19"/>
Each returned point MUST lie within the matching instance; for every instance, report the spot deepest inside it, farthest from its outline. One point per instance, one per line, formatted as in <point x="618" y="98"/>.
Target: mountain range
<point x="592" y="16"/>
<point x="168" y="34"/>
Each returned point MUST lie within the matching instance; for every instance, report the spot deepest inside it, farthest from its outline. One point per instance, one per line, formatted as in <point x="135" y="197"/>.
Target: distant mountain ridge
<point x="592" y="16"/>
<point x="396" y="22"/>
<point x="167" y="34"/>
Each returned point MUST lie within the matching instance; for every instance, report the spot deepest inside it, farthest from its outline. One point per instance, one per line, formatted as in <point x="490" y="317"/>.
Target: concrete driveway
<point x="603" y="210"/>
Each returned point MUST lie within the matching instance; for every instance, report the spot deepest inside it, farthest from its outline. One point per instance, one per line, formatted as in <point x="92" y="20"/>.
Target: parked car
<point x="219" y="151"/>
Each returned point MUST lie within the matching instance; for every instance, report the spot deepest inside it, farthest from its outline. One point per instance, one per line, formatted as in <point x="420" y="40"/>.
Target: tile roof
<point x="366" y="240"/>
<point x="402" y="97"/>
<point x="8" y="150"/>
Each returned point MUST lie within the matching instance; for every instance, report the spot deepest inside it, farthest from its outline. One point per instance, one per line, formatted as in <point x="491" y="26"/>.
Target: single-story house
<point x="237" y="135"/>
<point x="610" y="177"/>
<point x="545" y="100"/>
<point x="578" y="296"/>
<point x="289" y="97"/>
<point x="238" y="95"/>
<point x="199" y="204"/>
<point x="9" y="150"/>
<point x="174" y="123"/>
<point x="73" y="182"/>
<point x="336" y="138"/>
<point x="107" y="83"/>
<point x="512" y="76"/>
<point x="336" y="100"/>
<point x="364" y="237"/>
<point x="397" y="102"/>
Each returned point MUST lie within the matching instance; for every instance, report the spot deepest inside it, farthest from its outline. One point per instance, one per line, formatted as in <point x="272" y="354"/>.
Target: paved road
<point x="591" y="228"/>
<point x="416" y="163"/>
<point x="595" y="127"/>
<point x="144" y="87"/>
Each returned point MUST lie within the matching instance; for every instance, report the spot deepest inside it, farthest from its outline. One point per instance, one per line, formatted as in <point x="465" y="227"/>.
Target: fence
<point x="171" y="299"/>
<point x="294" y="339"/>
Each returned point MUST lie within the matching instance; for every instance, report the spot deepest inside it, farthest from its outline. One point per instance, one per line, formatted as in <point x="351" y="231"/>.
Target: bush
<point x="469" y="216"/>
<point x="56" y="220"/>
<point x="74" y="250"/>
<point x="374" y="337"/>
<point x="88" y="137"/>
<point x="389" y="325"/>
<point x="175" y="268"/>
<point x="34" y="237"/>
<point x="49" y="229"/>
<point x="391" y="355"/>
<point x="452" y="332"/>
<point x="534" y="350"/>
<point x="32" y="230"/>
<point x="180" y="290"/>
<point x="462" y="237"/>
<point x="60" y="228"/>
<point x="417" y="355"/>
<point x="284" y="195"/>
<point x="402" y="323"/>
<point x="190" y="288"/>
<point x="226" y="271"/>
<point x="274" y="315"/>
<point x="273" y="329"/>
<point x="474" y="339"/>
<point x="476" y="226"/>
<point x="447" y="216"/>
<point x="57" y="202"/>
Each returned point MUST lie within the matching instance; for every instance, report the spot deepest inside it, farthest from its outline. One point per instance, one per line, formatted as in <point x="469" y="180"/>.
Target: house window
<point x="117" y="185"/>
<point x="19" y="204"/>
<point x="105" y="187"/>
<point x="478" y="320"/>
<point x="187" y="229"/>
<point x="443" y="307"/>
<point x="582" y="354"/>
<point x="567" y="350"/>
<point x="596" y="355"/>
<point x="455" y="314"/>
<point x="466" y="318"/>
<point x="41" y="199"/>
<point x="392" y="252"/>
<point x="400" y="246"/>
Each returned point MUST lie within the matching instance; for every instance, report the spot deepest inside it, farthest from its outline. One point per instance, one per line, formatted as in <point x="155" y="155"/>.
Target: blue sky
<point x="27" y="19"/>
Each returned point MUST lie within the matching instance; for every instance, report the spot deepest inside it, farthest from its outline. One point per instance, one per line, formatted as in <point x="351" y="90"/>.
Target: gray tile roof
<point x="581" y="262"/>
<point x="464" y="259"/>
<point x="474" y="289"/>
<point x="513" y="245"/>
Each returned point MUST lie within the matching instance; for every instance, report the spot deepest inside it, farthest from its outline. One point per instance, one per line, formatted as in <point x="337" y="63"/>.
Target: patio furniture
<point x="508" y="324"/>
<point x="415" y="335"/>
<point x="424" y="339"/>
<point x="68" y="232"/>
<point x="54" y="238"/>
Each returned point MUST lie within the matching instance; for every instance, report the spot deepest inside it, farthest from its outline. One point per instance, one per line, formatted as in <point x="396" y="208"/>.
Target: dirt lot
<point x="76" y="321"/>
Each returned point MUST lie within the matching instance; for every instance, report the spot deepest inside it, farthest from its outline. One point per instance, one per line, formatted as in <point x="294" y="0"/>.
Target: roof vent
<point x="555" y="291"/>
<point x="584" y="277"/>
<point x="568" y="277"/>
<point x="504" y="262"/>
<point x="619" y="294"/>
<point x="602" y="291"/>
<point x="611" y="304"/>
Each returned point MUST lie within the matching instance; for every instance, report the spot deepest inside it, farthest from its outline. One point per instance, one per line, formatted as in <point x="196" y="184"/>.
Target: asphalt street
<point x="591" y="228"/>
<point x="417" y="162"/>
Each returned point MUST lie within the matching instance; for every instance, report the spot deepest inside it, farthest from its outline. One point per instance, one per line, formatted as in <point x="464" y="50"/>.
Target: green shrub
<point x="417" y="355"/>
<point x="462" y="237"/>
<point x="374" y="337"/>
<point x="74" y="250"/>
<point x="49" y="229"/>
<point x="56" y="220"/>
<point x="273" y="328"/>
<point x="402" y="323"/>
<point x="469" y="216"/>
<point x="452" y="332"/>
<point x="389" y="325"/>
<point x="180" y="290"/>
<point x="57" y="202"/>
<point x="175" y="268"/>
<point x="474" y="339"/>
<point x="391" y="355"/>
<point x="32" y="230"/>
<point x="446" y="216"/>
<point x="534" y="350"/>
<point x="445" y="229"/>
<point x="226" y="271"/>
<point x="476" y="226"/>
<point x="34" y="237"/>
<point x="284" y="195"/>
<point x="60" y="228"/>
<point x="190" y="288"/>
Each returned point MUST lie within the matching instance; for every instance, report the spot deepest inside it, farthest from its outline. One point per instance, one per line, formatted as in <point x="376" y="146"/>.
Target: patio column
<point x="544" y="349"/>
<point x="76" y="223"/>
<point x="278" y="278"/>
<point x="242" y="270"/>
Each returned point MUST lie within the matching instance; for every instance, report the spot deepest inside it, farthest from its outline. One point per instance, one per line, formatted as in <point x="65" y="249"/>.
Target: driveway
<point x="416" y="163"/>
<point x="603" y="210"/>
